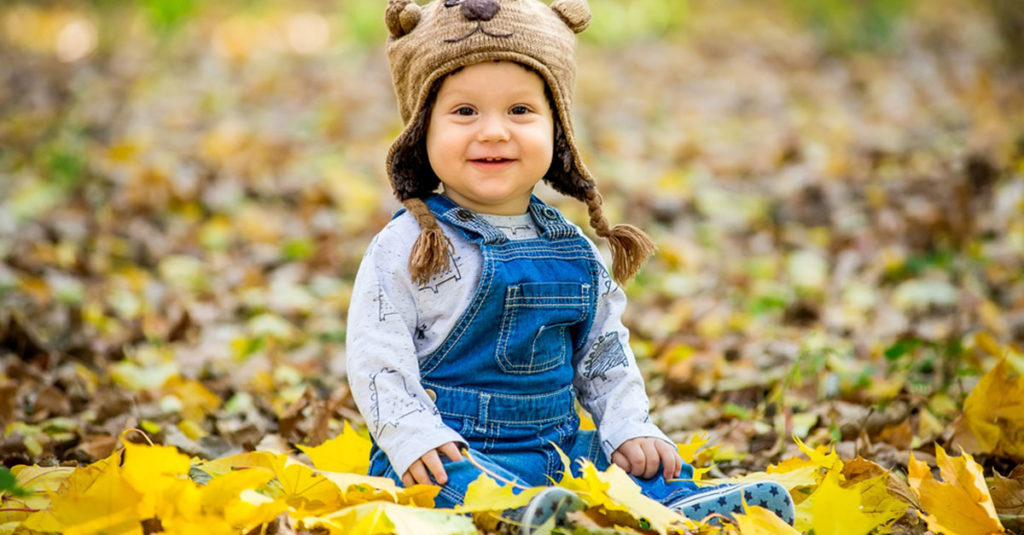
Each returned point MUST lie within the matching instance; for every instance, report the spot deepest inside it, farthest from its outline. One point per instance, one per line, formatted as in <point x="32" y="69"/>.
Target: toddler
<point x="479" y="315"/>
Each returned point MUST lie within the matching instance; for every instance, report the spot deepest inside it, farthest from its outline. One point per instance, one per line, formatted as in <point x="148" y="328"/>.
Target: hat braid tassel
<point x="430" y="253"/>
<point x="629" y="245"/>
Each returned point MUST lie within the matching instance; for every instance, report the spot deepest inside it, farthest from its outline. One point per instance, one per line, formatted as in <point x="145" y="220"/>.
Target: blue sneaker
<point x="550" y="503"/>
<point x="727" y="500"/>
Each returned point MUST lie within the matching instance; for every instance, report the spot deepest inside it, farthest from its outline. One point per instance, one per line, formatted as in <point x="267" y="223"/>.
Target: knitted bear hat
<point x="429" y="42"/>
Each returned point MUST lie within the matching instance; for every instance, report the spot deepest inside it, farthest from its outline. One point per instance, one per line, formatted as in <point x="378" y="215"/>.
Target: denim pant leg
<point x="586" y="445"/>
<point x="462" y="473"/>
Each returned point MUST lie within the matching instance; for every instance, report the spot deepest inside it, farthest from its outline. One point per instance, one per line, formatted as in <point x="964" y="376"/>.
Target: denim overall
<point x="503" y="376"/>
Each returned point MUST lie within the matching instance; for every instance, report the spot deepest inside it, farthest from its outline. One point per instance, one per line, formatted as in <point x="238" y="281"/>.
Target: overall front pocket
<point x="536" y="324"/>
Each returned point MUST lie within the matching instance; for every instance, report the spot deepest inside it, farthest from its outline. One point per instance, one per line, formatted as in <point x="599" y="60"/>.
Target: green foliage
<point x="845" y="27"/>
<point x="617" y="21"/>
<point x="363" y="21"/>
<point x="9" y="485"/>
<point x="169" y="14"/>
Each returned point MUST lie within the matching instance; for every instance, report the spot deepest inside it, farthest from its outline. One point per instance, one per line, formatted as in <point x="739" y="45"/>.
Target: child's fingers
<point x="652" y="460"/>
<point x="671" y="462"/>
<point x="451" y="450"/>
<point x="433" y="462"/>
<point x="416" y="474"/>
<point x="628" y="456"/>
<point x="620" y="460"/>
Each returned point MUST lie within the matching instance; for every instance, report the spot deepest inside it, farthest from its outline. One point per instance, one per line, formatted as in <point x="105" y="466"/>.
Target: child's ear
<point x="401" y="17"/>
<point x="575" y="13"/>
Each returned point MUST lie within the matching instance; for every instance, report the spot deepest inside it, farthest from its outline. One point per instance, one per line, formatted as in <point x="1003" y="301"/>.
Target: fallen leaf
<point x="850" y="510"/>
<point x="486" y="494"/>
<point x="1008" y="492"/>
<point x="761" y="521"/>
<point x="993" y="414"/>
<point x="960" y="504"/>
<point x="347" y="452"/>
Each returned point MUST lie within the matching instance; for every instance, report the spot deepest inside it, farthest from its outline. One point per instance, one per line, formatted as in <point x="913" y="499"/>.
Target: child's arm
<point x="381" y="360"/>
<point x="611" y="388"/>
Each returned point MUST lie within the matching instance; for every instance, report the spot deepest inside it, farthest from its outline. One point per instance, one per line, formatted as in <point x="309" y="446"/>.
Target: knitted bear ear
<point x="575" y="13"/>
<point x="401" y="17"/>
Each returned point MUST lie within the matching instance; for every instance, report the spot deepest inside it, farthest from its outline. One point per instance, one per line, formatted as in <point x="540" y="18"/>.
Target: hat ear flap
<point x="401" y="16"/>
<point x="575" y="13"/>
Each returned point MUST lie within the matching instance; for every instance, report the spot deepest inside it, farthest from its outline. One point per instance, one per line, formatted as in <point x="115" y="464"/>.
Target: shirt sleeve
<point x="381" y="362"/>
<point x="606" y="375"/>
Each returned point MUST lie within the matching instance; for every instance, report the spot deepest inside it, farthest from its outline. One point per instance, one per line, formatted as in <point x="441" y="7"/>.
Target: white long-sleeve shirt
<point x="394" y="323"/>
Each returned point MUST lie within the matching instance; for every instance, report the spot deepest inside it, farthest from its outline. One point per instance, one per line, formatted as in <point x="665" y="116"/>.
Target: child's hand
<point x="641" y="457"/>
<point x="431" y="461"/>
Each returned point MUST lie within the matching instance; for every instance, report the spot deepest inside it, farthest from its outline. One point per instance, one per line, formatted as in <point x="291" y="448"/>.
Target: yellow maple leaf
<point x="206" y="525"/>
<point x="961" y="504"/>
<point x="615" y="490"/>
<point x="838" y="510"/>
<point x="222" y="490"/>
<point x="993" y="414"/>
<point x="822" y="456"/>
<point x="381" y="518"/>
<point x="152" y="470"/>
<point x="688" y="451"/>
<point x="39" y="481"/>
<point x="486" y="494"/>
<point x="309" y="492"/>
<point x="253" y="459"/>
<point x="347" y="452"/>
<point x="356" y="489"/>
<point x="807" y="475"/>
<point x="106" y="504"/>
<point x="182" y="499"/>
<point x="252" y="509"/>
<point x="795" y="472"/>
<point x="761" y="521"/>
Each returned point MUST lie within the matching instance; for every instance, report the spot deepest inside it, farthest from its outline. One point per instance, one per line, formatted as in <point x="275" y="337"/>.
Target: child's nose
<point x="493" y="128"/>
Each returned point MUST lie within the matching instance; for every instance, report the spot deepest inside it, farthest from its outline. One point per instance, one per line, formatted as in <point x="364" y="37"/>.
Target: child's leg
<point x="686" y="497"/>
<point x="729" y="498"/>
<point x="462" y="473"/>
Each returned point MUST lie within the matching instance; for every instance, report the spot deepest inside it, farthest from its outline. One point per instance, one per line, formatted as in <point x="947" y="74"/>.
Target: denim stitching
<point x="514" y="301"/>
<point x="463" y="323"/>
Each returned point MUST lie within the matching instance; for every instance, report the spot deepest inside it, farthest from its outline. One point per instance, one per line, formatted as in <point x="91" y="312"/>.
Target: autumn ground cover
<point x="836" y="191"/>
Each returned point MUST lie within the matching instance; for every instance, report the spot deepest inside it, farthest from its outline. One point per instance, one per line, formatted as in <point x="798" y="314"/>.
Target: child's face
<point x="491" y="136"/>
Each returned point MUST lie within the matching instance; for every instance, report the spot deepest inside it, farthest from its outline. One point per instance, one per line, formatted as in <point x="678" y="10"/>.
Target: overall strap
<point x="552" y="224"/>
<point x="465" y="221"/>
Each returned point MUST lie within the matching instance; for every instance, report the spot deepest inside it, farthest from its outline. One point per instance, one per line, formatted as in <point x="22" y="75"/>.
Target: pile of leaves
<point x="154" y="489"/>
<point x="182" y="212"/>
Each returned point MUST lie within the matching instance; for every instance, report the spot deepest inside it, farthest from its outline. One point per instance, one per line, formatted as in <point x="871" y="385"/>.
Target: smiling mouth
<point x="492" y="160"/>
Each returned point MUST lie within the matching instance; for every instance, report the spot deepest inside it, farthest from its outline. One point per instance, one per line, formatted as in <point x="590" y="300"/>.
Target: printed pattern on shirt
<point x="606" y="281"/>
<point x="451" y="274"/>
<point x="607" y="354"/>
<point x="514" y="231"/>
<point x="384" y="308"/>
<point x="401" y="407"/>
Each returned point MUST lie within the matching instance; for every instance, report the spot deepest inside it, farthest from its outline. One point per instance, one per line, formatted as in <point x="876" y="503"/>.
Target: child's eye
<point x="519" y="110"/>
<point x="465" y="110"/>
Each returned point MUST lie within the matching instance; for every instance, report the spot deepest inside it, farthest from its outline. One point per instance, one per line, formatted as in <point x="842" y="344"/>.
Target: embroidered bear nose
<point x="479" y="9"/>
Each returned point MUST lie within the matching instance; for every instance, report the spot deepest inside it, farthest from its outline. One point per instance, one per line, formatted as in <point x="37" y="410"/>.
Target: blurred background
<point x="187" y="188"/>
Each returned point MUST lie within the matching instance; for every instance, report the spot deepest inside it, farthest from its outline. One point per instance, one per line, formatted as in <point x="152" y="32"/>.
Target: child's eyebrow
<point x="523" y="94"/>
